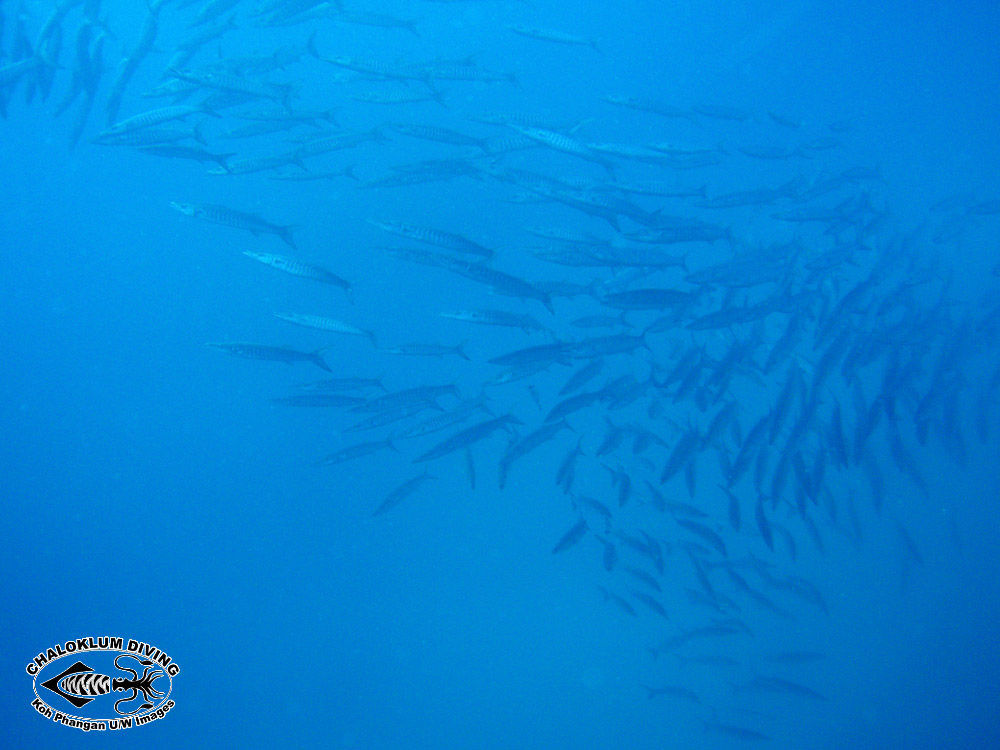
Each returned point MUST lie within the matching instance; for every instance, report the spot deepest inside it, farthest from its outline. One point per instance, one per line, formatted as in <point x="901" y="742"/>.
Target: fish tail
<point x="48" y="62"/>
<point x="645" y="340"/>
<point x="317" y="358"/>
<point x="287" y="92"/>
<point x="438" y="96"/>
<point x="429" y="83"/>
<point x="311" y="46"/>
<point x="285" y="233"/>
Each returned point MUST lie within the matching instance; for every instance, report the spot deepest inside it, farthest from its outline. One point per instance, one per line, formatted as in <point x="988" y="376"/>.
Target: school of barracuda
<point x="757" y="398"/>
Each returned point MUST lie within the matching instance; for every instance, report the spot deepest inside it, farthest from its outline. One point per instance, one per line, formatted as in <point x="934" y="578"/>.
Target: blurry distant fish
<point x="427" y="350"/>
<point x="499" y="282"/>
<point x="651" y="602"/>
<point x="574" y="403"/>
<point x="427" y="395"/>
<point x="402" y="492"/>
<point x="211" y="11"/>
<point x="451" y="418"/>
<point x="300" y="176"/>
<point x="735" y="732"/>
<point x="398" y="96"/>
<point x="457" y="70"/>
<point x="133" y="59"/>
<point x="272" y="353"/>
<point x="564" y="143"/>
<point x="763" y="525"/>
<point x="441" y="135"/>
<point x="11" y="73"/>
<point x="502" y="283"/>
<point x="986" y="208"/>
<point x="283" y="116"/>
<point x="225" y="82"/>
<point x="496" y="318"/>
<point x="660" y="188"/>
<point x="152" y="136"/>
<point x="551" y="35"/>
<point x="321" y="323"/>
<point x="649" y="299"/>
<point x="374" y="68"/>
<point x="571" y="537"/>
<point x="151" y="118"/>
<point x="523" y="446"/>
<point x="621" y="603"/>
<point x="673" y="691"/>
<point x="470" y="467"/>
<point x="230" y="217"/>
<point x="468" y="436"/>
<point x="319" y="400"/>
<point x="796" y="657"/>
<point x="785" y="120"/>
<point x="436" y="237"/>
<point x="255" y="164"/>
<point x="721" y="112"/>
<point x="705" y="533"/>
<point x="663" y="109"/>
<point x="761" y="684"/>
<point x="192" y="153"/>
<point x="770" y="152"/>
<point x="298" y="268"/>
<point x="912" y="551"/>
<point x="377" y="20"/>
<point x="351" y="383"/>
<point x="359" y="450"/>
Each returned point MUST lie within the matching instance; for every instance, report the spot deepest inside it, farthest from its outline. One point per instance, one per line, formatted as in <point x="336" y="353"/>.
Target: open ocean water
<point x="495" y="374"/>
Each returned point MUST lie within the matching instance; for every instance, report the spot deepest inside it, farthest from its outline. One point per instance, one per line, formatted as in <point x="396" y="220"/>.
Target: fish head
<point x="185" y="208"/>
<point x="387" y="226"/>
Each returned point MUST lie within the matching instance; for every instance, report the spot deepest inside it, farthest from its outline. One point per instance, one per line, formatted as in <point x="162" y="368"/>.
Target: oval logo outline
<point x="121" y="652"/>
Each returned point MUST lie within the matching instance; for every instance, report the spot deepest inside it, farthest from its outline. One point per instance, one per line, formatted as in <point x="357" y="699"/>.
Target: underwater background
<point x="578" y="375"/>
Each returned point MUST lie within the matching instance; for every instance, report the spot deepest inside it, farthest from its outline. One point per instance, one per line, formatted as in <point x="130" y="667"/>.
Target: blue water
<point x="152" y="488"/>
